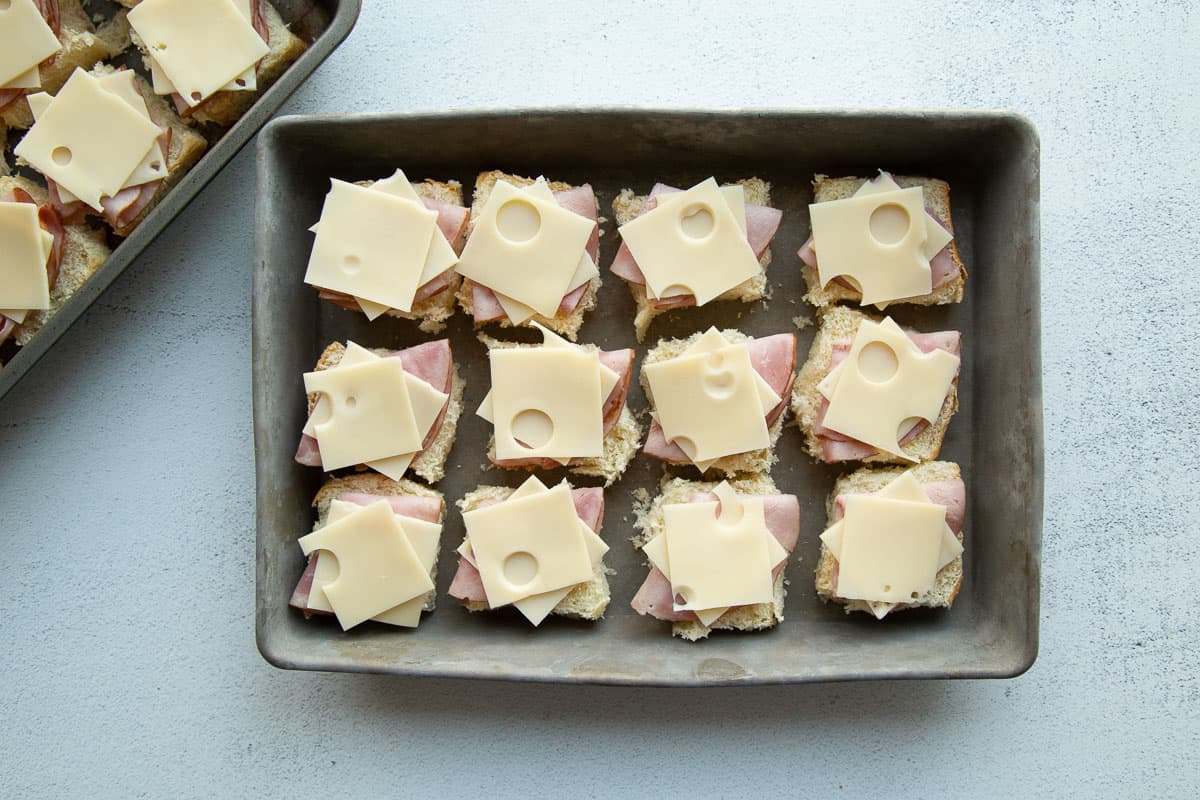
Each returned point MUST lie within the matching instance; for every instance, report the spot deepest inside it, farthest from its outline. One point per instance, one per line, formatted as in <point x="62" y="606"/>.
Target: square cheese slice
<point x="546" y="403"/>
<point x="246" y="82"/>
<point x="201" y="47"/>
<point x="24" y="249"/>
<point x="25" y="41"/>
<point x="889" y="548"/>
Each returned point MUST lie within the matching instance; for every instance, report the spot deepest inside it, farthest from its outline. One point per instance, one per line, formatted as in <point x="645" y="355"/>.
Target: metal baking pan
<point x="321" y="23"/>
<point x="992" y="163"/>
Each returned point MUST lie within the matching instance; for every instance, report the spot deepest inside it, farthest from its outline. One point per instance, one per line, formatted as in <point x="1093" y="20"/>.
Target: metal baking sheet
<point x="321" y="23"/>
<point x="991" y="161"/>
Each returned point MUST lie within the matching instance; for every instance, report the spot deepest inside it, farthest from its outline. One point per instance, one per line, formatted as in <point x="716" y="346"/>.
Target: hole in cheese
<point x="351" y="401"/>
<point x="877" y="362"/>
<point x="887" y="587"/>
<point x="350" y="264"/>
<point x="532" y="428"/>
<point x="720" y="384"/>
<point x="520" y="568"/>
<point x="518" y="221"/>
<point x="241" y="82"/>
<point x="197" y="97"/>
<point x="914" y="595"/>
<point x="155" y="166"/>
<point x="681" y="595"/>
<point x="61" y="156"/>
<point x="160" y="46"/>
<point x="697" y="221"/>
<point x="889" y="223"/>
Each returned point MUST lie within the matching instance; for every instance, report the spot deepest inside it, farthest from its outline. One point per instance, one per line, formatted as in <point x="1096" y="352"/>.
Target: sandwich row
<point x="870" y="391"/>
<point x="716" y="552"/>
<point x="527" y="251"/>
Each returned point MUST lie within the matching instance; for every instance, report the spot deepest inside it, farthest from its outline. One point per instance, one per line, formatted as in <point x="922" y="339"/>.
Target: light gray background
<point x="126" y="465"/>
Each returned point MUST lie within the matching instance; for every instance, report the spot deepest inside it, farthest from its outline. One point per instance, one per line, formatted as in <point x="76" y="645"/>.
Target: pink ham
<point x="582" y="201"/>
<point x="774" y="358"/>
<point x="451" y="220"/>
<point x="942" y="268"/>
<point x="620" y="362"/>
<point x="782" y="513"/>
<point x="124" y="207"/>
<point x="423" y="293"/>
<point x="837" y="447"/>
<point x="7" y="326"/>
<point x="428" y="509"/>
<point x="952" y="494"/>
<point x="468" y="585"/>
<point x="432" y="362"/>
<point x="70" y="213"/>
<point x="8" y="97"/>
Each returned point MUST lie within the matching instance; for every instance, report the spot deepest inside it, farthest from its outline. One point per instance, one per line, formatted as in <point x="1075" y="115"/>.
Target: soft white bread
<point x="937" y="198"/>
<point x="620" y="444"/>
<point x="374" y="483"/>
<point x="841" y="322"/>
<point x="867" y="480"/>
<point x="83" y="44"/>
<point x="225" y="108"/>
<point x="84" y="250"/>
<point x="755" y="461"/>
<point x="564" y="325"/>
<point x="431" y="463"/>
<point x="587" y="601"/>
<point x="185" y="148"/>
<point x="649" y="522"/>
<point x="627" y="205"/>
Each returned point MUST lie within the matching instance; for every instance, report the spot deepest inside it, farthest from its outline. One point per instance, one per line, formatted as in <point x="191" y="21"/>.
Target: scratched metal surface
<point x="992" y="163"/>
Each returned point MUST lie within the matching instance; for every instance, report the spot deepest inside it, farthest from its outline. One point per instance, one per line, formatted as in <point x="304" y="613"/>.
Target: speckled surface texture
<point x="127" y="467"/>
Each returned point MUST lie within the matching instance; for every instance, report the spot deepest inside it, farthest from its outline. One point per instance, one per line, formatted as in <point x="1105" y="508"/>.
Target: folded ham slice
<point x="774" y="358"/>
<point x="580" y="200"/>
<point x="468" y="585"/>
<point x="428" y="509"/>
<point x="432" y="362"/>
<point x="782" y="514"/>
<point x="837" y="447"/>
<point x="620" y="362"/>
<point x="762" y="222"/>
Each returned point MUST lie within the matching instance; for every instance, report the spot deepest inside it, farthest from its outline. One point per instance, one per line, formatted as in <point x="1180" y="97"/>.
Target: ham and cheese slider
<point x="560" y="404"/>
<point x="207" y="82"/>
<point x="41" y="43"/>
<point x="390" y="411"/>
<point x="107" y="146"/>
<point x="686" y="248"/>
<point x="42" y="260"/>
<point x="717" y="553"/>
<point x="718" y="399"/>
<point x="894" y="539"/>
<point x="880" y="241"/>
<point x="373" y="552"/>
<point x="535" y="548"/>
<point x="531" y="253"/>
<point x="873" y="392"/>
<point x="389" y="247"/>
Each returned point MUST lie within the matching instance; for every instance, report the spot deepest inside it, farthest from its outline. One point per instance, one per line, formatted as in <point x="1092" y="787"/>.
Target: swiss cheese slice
<point x="692" y="243"/>
<point x="25" y="42"/>
<point x="884" y="382"/>
<point x="526" y="248"/>
<point x="88" y="140"/>
<point x="201" y="47"/>
<point x="26" y="80"/>
<point x="377" y="566"/>
<point x="247" y="81"/>
<point x="25" y="248"/>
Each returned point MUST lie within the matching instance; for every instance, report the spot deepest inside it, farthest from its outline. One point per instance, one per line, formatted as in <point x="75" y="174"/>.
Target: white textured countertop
<point x="126" y="462"/>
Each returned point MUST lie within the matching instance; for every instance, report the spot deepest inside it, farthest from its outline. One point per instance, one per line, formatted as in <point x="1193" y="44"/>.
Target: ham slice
<point x="7" y="326"/>
<point x="8" y="97"/>
<point x="428" y="509"/>
<point x="774" y="358"/>
<point x="762" y="223"/>
<point x="50" y="12"/>
<point x="837" y="447"/>
<point x="782" y="514"/>
<point x="124" y="207"/>
<point x="942" y="268"/>
<point x="70" y="213"/>
<point x="582" y="201"/>
<point x="432" y="362"/>
<point x="620" y="362"/>
<point x="468" y="585"/>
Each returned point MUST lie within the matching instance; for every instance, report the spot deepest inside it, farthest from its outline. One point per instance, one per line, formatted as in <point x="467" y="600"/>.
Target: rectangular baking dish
<point x="991" y="161"/>
<point x="321" y="23"/>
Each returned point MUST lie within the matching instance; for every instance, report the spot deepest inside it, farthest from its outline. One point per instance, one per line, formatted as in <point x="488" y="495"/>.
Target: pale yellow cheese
<point x="89" y="140"/>
<point x="378" y="568"/>
<point x="200" y="46"/>
<point x="885" y="381"/>
<point x="247" y="81"/>
<point x="528" y="546"/>
<point x="876" y="239"/>
<point x="525" y="248"/>
<point x="372" y="245"/>
<point x="691" y="243"/>
<point x="24" y="250"/>
<point x="31" y="79"/>
<point x="710" y="402"/>
<point x="25" y="41"/>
